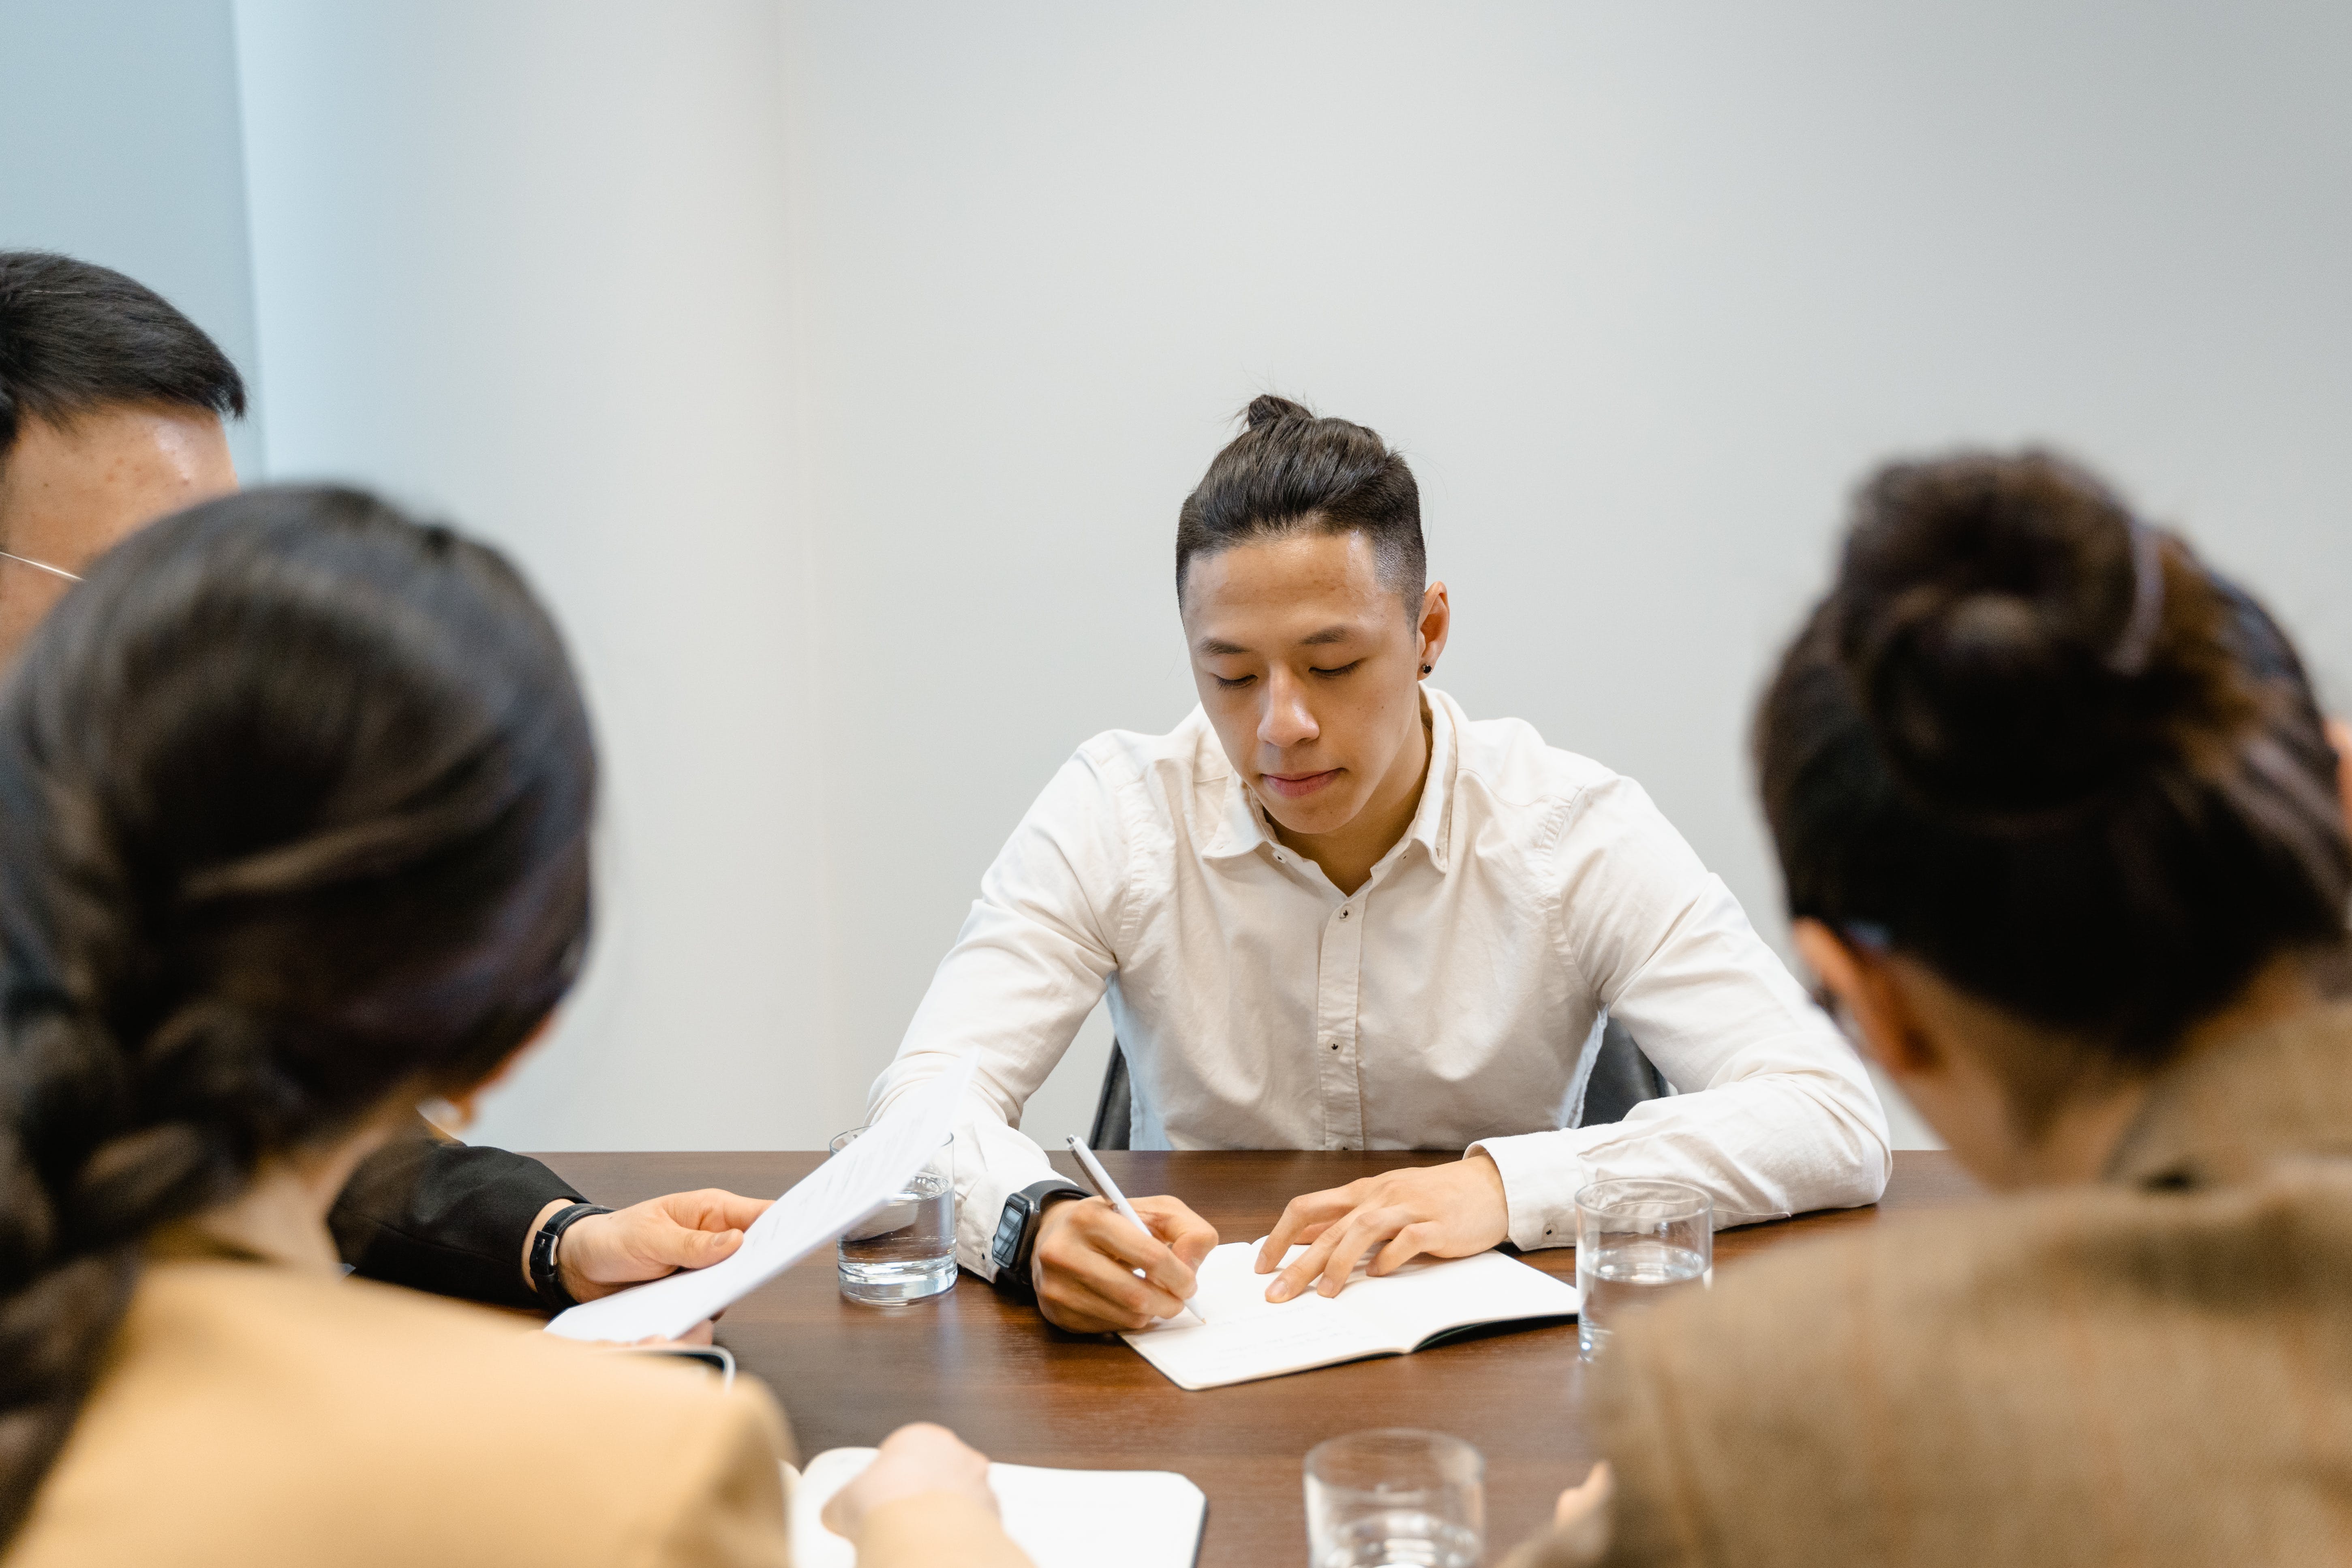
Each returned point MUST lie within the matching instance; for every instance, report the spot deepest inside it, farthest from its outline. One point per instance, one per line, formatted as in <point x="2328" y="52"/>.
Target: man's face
<point x="1310" y="668"/>
<point x="69" y="492"/>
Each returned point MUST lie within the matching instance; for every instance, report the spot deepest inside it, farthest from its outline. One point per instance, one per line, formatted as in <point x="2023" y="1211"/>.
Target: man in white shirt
<point x="1333" y="912"/>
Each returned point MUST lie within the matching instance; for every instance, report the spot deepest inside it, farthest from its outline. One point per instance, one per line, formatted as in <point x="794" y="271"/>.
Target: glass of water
<point x="1637" y="1243"/>
<point x="1395" y="1496"/>
<point x="905" y="1250"/>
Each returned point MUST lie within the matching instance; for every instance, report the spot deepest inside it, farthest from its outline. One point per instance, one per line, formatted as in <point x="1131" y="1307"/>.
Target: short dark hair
<point x="2033" y="742"/>
<point x="295" y="796"/>
<point x="75" y="336"/>
<point x="1290" y="472"/>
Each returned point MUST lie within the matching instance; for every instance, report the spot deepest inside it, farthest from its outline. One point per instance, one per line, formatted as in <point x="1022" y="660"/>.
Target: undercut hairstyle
<point x="294" y="814"/>
<point x="2034" y="742"/>
<point x="1288" y="473"/>
<point x="75" y="337"/>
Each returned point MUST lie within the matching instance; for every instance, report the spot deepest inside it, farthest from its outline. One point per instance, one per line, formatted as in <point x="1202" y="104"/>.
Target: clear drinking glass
<point x="905" y="1250"/>
<point x="1637" y="1243"/>
<point x="1395" y="1496"/>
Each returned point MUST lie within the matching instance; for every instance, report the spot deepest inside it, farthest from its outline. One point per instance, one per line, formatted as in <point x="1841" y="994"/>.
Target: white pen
<point x="1107" y="1190"/>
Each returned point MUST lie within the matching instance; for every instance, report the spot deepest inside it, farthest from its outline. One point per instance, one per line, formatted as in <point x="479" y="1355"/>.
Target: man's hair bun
<point x="1289" y="472"/>
<point x="1266" y="408"/>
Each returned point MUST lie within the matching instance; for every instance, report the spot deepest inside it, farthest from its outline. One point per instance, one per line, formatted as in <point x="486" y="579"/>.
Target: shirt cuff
<point x="1542" y="1173"/>
<point x="980" y="1204"/>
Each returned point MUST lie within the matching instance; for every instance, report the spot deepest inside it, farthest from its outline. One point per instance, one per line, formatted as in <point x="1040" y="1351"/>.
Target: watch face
<point x="1008" y="1229"/>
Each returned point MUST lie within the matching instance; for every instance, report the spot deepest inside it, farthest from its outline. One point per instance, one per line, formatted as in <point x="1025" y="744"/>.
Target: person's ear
<point x="1873" y="996"/>
<point x="461" y="1102"/>
<point x="1436" y="621"/>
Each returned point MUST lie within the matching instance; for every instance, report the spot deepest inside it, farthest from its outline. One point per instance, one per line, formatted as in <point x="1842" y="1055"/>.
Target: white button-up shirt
<point x="1454" y="1000"/>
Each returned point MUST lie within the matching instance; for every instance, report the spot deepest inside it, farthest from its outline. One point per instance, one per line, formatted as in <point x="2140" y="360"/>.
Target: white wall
<point x="1641" y="291"/>
<point x="119" y="143"/>
<point x="839" y="369"/>
<point x="525" y="263"/>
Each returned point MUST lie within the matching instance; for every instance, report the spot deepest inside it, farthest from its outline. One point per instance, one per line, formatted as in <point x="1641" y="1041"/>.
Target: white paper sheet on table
<point x="823" y="1206"/>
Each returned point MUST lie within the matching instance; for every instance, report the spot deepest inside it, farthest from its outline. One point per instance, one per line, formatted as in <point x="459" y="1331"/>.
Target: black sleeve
<point x="444" y="1217"/>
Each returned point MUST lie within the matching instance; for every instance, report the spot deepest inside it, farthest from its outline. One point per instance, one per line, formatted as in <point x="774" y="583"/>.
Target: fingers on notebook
<point x="1333" y="1258"/>
<point x="914" y="1461"/>
<point x="1307" y="1219"/>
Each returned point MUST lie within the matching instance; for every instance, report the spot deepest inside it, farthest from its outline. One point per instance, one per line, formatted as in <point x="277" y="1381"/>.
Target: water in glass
<point x="1400" y="1537"/>
<point x="905" y="1250"/>
<point x="1626" y="1277"/>
<point x="1395" y="1496"/>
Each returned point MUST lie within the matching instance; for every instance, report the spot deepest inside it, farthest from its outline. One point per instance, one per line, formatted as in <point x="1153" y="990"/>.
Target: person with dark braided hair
<point x="112" y="404"/>
<point x="2065" y="837"/>
<point x="295" y="799"/>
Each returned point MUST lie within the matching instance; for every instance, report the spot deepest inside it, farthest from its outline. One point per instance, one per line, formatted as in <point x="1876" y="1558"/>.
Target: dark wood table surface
<point x="1025" y="1392"/>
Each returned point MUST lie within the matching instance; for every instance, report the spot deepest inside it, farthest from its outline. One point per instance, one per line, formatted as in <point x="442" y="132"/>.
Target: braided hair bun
<point x="294" y="805"/>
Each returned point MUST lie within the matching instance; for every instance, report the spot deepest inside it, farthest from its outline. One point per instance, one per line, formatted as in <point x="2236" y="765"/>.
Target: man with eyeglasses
<point x="112" y="415"/>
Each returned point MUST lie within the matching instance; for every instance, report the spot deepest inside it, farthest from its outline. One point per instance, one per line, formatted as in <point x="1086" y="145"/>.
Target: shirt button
<point x="1335" y="1045"/>
<point x="1343" y="914"/>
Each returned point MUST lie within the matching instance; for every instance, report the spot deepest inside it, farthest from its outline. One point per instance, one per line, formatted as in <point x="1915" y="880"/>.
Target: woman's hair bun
<point x="1267" y="408"/>
<point x="2008" y="626"/>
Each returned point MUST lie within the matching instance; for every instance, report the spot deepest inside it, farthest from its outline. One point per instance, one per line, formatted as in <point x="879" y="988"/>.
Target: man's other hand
<point x="607" y="1252"/>
<point x="1086" y="1255"/>
<point x="1443" y="1210"/>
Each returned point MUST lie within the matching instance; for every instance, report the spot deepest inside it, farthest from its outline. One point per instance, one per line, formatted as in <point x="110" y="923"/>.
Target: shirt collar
<point x="1243" y="830"/>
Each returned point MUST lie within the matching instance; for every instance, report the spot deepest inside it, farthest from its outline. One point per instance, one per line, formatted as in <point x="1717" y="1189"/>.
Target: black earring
<point x="1427" y="667"/>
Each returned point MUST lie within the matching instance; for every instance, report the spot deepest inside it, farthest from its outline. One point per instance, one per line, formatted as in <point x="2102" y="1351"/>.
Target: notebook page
<point x="1429" y="1296"/>
<point x="1062" y="1519"/>
<point x="1246" y="1336"/>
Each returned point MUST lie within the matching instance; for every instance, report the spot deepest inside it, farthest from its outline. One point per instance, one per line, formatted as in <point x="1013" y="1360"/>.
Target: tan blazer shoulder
<point x="256" y="1415"/>
<point x="2155" y="1370"/>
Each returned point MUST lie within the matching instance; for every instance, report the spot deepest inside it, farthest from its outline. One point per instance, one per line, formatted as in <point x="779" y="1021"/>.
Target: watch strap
<point x="1013" y="1260"/>
<point x="545" y="1278"/>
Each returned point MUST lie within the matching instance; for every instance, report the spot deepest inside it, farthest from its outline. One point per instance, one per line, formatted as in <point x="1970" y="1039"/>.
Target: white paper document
<point x="825" y="1206"/>
<point x="1062" y="1519"/>
<point x="1247" y="1337"/>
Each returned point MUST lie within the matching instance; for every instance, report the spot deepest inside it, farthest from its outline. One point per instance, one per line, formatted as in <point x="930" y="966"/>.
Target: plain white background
<point x="838" y="370"/>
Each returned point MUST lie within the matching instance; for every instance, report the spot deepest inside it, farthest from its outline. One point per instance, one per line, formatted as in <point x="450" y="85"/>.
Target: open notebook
<point x="1247" y="1337"/>
<point x="1062" y="1519"/>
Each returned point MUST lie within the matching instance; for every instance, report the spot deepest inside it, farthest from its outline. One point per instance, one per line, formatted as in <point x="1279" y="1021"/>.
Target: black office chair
<point x="1621" y="1078"/>
<point x="1115" y="1106"/>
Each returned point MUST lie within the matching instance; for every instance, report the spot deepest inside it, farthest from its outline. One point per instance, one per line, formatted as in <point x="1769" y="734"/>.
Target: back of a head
<point x="2033" y="742"/>
<point x="294" y="806"/>
<point x="76" y="336"/>
<point x="1288" y="472"/>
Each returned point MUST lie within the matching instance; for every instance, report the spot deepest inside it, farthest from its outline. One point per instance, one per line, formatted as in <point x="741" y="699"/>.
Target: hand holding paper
<point x="825" y="1206"/>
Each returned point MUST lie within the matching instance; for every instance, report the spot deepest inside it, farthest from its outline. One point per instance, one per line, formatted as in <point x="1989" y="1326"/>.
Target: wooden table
<point x="1022" y="1392"/>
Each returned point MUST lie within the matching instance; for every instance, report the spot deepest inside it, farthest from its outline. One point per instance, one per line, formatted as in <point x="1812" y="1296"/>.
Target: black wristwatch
<point x="1016" y="1234"/>
<point x="545" y="1278"/>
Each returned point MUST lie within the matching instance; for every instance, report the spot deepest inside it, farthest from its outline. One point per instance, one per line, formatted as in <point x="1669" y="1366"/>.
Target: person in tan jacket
<point x="2065" y="837"/>
<point x="295" y="799"/>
